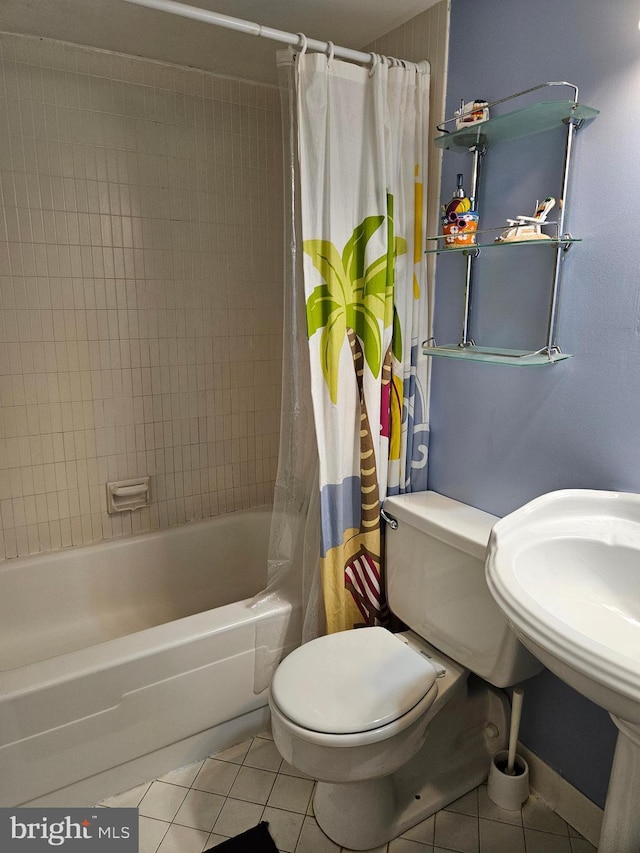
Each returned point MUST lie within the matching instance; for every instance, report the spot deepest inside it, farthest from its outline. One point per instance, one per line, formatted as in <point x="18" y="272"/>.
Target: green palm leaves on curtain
<point x="353" y="297"/>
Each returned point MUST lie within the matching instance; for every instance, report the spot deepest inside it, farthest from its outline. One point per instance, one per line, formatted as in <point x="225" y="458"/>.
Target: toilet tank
<point x="436" y="585"/>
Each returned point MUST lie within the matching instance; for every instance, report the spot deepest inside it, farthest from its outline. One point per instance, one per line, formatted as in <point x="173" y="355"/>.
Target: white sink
<point x="565" y="570"/>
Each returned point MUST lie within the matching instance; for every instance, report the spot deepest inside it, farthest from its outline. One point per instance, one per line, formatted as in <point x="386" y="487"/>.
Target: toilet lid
<point x="353" y="681"/>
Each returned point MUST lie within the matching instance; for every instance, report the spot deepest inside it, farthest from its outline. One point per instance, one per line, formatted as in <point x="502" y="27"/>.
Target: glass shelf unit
<point x="563" y="242"/>
<point x="545" y="115"/>
<point x="476" y="140"/>
<point x="494" y="355"/>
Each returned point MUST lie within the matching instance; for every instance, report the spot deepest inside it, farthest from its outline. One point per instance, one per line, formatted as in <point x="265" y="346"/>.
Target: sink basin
<point x="565" y="570"/>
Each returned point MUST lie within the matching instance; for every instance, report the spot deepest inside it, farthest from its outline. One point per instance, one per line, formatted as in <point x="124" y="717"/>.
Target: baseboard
<point x="579" y="811"/>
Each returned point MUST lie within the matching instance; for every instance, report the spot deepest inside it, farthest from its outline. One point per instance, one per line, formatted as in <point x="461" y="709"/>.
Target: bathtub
<point x="124" y="660"/>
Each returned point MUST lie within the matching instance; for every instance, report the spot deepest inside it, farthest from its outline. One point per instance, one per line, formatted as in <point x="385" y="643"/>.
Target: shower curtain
<point x="294" y="541"/>
<point x="363" y="155"/>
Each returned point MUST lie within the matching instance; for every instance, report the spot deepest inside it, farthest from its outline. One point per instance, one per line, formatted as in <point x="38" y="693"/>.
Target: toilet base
<point x="453" y="760"/>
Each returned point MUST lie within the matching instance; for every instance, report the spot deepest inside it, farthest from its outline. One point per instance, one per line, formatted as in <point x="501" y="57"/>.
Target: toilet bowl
<point x="396" y="726"/>
<point x="340" y="725"/>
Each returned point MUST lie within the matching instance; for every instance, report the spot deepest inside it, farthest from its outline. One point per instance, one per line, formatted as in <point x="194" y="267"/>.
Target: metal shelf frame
<point x="475" y="139"/>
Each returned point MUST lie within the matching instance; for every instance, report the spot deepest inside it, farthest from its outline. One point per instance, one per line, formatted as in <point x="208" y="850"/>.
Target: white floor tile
<point x="457" y="832"/>
<point x="162" y="801"/>
<point x="499" y="837"/>
<point x="313" y="840"/>
<point x="291" y="793"/>
<point x="422" y="832"/>
<point x="198" y="807"/>
<point x="581" y="845"/>
<point x="264" y="755"/>
<point x="468" y="804"/>
<point x="237" y="816"/>
<point x="183" y="839"/>
<point x="216" y="776"/>
<point x="535" y="815"/>
<point x="405" y="845"/>
<point x="214" y="840"/>
<point x="150" y="833"/>
<point x="546" y="842"/>
<point x="253" y="785"/>
<point x="200" y="810"/>
<point x="284" y="827"/>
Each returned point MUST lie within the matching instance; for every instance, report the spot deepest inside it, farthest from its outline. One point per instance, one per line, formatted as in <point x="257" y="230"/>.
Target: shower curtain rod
<point x="294" y="39"/>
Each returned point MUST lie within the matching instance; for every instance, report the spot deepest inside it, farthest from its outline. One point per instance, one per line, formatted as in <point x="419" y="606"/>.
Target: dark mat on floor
<point x="254" y="840"/>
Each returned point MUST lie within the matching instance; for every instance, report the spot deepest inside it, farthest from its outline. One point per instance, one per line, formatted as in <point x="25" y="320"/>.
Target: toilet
<point x="395" y="726"/>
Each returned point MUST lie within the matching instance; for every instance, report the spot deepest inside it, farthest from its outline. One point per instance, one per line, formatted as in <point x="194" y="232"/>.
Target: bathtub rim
<point x="118" y="542"/>
<point x="158" y="638"/>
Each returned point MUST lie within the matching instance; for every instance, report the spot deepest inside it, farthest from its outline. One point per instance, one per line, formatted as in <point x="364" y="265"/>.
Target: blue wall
<point x="503" y="435"/>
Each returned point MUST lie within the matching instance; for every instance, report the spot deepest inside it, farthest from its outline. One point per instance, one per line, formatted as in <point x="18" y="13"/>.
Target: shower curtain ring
<point x="303" y="43"/>
<point x="375" y="59"/>
<point x="330" y="52"/>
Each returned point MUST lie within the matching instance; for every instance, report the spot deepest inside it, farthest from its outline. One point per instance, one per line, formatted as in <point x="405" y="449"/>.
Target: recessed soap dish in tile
<point x="127" y="495"/>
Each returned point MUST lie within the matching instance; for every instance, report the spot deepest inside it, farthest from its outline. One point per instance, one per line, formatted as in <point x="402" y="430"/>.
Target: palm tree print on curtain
<point x="362" y="156"/>
<point x="354" y="302"/>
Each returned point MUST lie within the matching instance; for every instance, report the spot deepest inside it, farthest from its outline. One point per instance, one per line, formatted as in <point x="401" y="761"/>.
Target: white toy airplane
<point x="528" y="227"/>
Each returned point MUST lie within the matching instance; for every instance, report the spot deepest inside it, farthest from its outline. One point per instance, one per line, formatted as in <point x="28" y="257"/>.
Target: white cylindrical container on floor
<point x="508" y="792"/>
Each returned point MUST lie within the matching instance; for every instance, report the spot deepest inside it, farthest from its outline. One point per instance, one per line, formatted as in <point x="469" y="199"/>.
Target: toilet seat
<point x="353" y="681"/>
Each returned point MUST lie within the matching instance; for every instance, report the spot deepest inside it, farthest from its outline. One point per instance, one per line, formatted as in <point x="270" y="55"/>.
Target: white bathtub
<point x="123" y="660"/>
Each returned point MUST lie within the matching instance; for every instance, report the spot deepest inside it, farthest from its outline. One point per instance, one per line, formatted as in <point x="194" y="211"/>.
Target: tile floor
<point x="196" y="807"/>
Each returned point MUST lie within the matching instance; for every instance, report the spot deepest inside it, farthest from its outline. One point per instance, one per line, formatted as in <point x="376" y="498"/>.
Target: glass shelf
<point x="553" y="241"/>
<point x="495" y="355"/>
<point x="544" y="115"/>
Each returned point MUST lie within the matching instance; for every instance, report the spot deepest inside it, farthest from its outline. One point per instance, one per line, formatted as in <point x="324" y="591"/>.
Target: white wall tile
<point x="140" y="292"/>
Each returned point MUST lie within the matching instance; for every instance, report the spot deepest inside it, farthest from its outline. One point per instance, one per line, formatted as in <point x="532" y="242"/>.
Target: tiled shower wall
<point x="140" y="292"/>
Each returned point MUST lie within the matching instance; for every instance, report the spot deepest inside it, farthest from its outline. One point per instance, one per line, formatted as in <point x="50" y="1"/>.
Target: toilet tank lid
<point x="351" y="681"/>
<point x="457" y="524"/>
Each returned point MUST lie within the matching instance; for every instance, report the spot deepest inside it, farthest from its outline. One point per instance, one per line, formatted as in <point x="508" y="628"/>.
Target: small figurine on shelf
<point x="471" y="113"/>
<point x="459" y="222"/>
<point x="528" y="227"/>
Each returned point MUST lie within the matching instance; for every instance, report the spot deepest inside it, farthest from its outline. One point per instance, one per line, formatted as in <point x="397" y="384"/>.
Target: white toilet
<point x="396" y="726"/>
